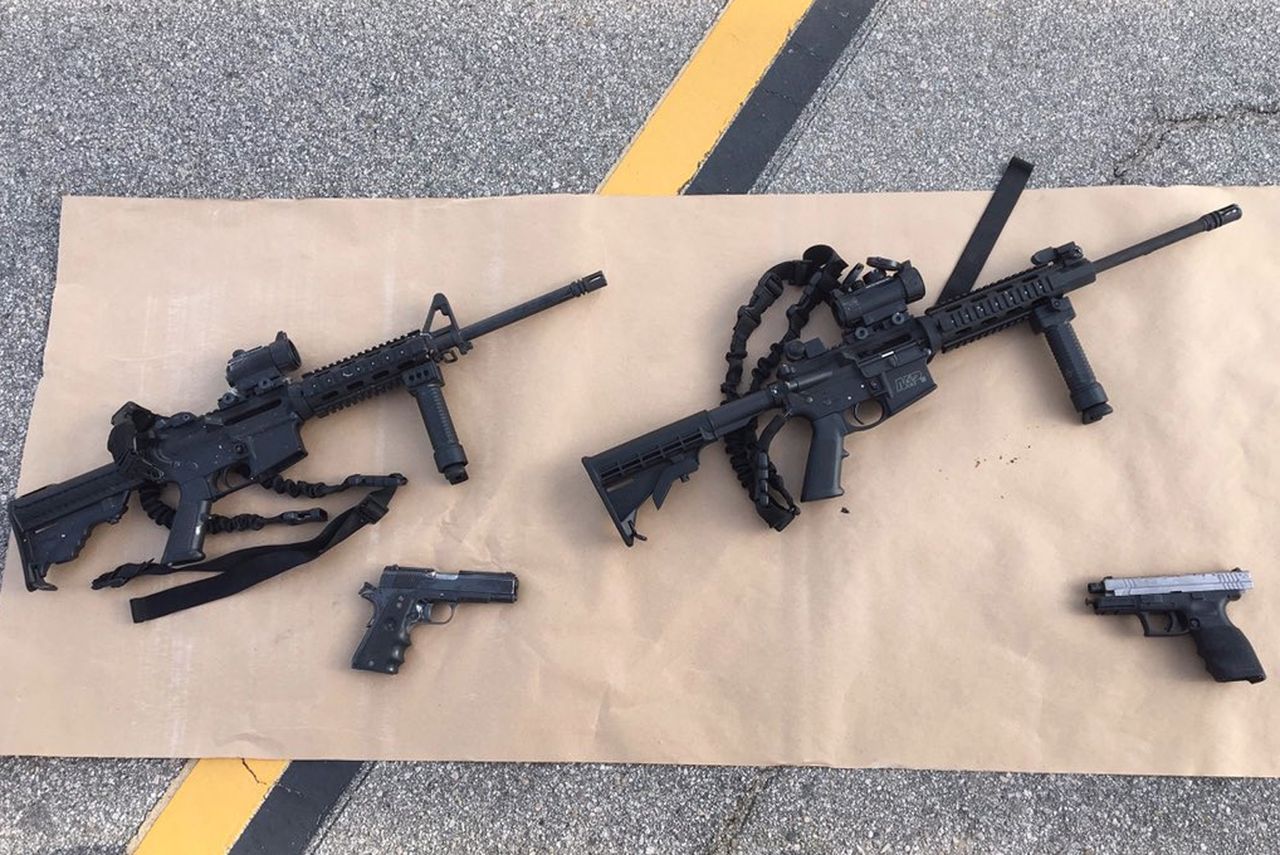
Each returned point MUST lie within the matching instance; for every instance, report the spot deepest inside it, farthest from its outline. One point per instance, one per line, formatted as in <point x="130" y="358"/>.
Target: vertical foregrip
<point x="1053" y="318"/>
<point x="1087" y="394"/>
<point x="428" y="391"/>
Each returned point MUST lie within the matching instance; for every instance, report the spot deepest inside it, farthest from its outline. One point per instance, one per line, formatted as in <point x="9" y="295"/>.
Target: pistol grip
<point x="1227" y="653"/>
<point x="186" y="538"/>
<point x="387" y="636"/>
<point x="826" y="457"/>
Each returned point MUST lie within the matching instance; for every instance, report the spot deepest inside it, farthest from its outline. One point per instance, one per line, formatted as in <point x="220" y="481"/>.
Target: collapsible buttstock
<point x="52" y="524"/>
<point x="647" y="466"/>
<point x="627" y="475"/>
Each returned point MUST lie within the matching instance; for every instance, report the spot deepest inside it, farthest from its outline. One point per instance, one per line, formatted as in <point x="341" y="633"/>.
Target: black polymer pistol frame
<point x="252" y="436"/>
<point x="882" y="360"/>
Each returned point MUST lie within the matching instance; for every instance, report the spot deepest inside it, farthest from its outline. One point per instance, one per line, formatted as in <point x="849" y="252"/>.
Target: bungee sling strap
<point x="244" y="568"/>
<point x="817" y="275"/>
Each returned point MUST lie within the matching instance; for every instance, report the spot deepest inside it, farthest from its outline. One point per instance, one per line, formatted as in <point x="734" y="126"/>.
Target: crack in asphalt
<point x="726" y="839"/>
<point x="1166" y="126"/>
<point x="253" y="774"/>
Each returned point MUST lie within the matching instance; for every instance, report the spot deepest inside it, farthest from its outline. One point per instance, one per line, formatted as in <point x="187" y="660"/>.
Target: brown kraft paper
<point x="938" y="623"/>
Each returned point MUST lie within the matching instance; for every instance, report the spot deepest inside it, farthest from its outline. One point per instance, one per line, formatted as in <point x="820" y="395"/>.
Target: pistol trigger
<point x="369" y="592"/>
<point x="1173" y="624"/>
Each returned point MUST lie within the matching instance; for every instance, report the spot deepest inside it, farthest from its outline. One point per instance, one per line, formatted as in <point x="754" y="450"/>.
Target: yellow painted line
<point x="158" y="808"/>
<point x="703" y="100"/>
<point x="211" y="807"/>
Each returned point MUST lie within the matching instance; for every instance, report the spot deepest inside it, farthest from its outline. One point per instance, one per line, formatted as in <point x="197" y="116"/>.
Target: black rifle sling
<point x="236" y="571"/>
<point x="818" y="275"/>
<point x="987" y="231"/>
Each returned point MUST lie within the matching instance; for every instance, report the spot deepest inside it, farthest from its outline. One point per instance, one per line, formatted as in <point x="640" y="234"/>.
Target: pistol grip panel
<point x="1227" y="654"/>
<point x="386" y="638"/>
<point x="826" y="457"/>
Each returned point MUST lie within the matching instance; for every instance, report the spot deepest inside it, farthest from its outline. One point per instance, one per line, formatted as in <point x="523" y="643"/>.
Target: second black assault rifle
<point x="879" y="368"/>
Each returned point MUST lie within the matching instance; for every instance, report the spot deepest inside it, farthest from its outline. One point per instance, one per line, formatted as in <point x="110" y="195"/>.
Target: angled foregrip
<point x="387" y="636"/>
<point x="1227" y="653"/>
<point x="826" y="456"/>
<point x="427" y="389"/>
<point x="186" y="537"/>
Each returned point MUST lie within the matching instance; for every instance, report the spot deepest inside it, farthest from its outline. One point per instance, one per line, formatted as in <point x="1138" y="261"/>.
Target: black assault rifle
<point x="881" y="360"/>
<point x="250" y="438"/>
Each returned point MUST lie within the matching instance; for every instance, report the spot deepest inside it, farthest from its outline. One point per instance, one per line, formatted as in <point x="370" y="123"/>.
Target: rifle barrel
<point x="1208" y="222"/>
<point x="531" y="307"/>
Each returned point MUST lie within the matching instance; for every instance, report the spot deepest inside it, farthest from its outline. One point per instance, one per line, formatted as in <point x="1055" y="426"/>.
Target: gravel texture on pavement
<point x="937" y="96"/>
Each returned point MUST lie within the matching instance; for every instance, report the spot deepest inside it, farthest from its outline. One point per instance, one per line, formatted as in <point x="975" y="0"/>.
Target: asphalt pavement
<point x="328" y="98"/>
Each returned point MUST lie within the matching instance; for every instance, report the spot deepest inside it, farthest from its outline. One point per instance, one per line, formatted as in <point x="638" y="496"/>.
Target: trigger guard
<point x="426" y="616"/>
<point x="851" y="422"/>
